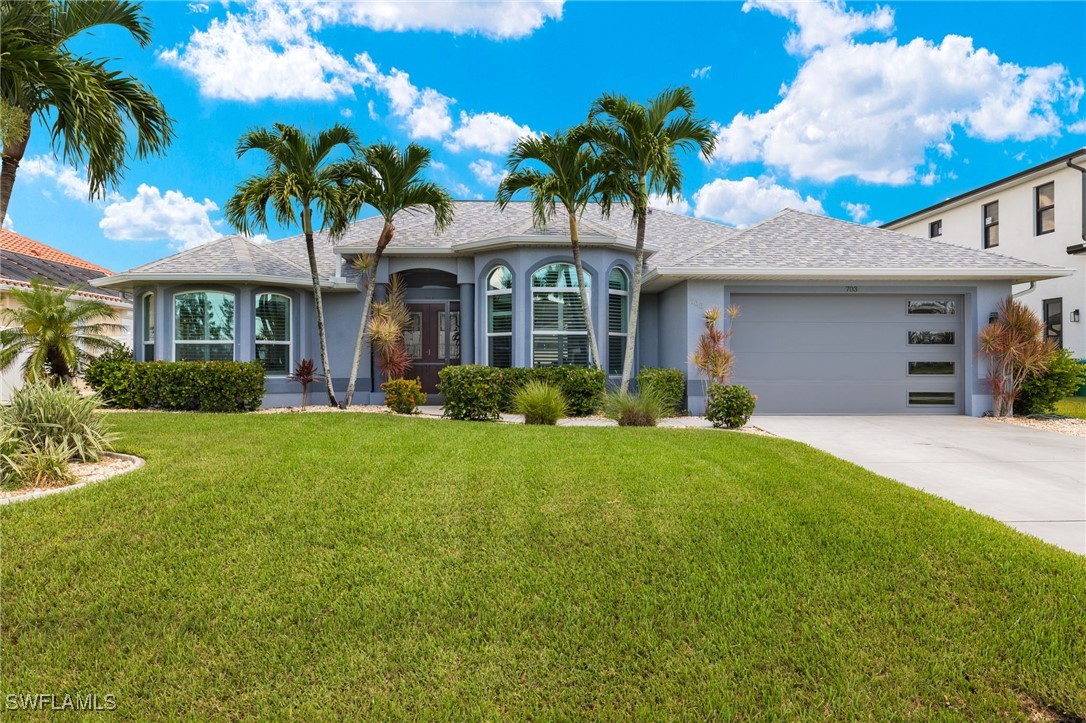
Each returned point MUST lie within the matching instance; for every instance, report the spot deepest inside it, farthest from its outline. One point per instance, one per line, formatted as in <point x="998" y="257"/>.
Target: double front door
<point x="432" y="340"/>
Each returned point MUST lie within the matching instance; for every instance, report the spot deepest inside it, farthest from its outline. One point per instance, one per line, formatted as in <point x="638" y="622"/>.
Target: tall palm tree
<point x="300" y="178"/>
<point x="58" y="329"/>
<point x="88" y="107"/>
<point x="641" y="143"/>
<point x="574" y="177"/>
<point x="391" y="182"/>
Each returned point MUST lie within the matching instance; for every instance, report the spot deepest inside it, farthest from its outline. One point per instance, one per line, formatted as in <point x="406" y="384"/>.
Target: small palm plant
<point x="711" y="356"/>
<point x="305" y="373"/>
<point x="57" y="329"/>
<point x="1016" y="348"/>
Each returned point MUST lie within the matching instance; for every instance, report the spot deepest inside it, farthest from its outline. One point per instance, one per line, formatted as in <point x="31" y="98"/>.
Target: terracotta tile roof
<point x="16" y="244"/>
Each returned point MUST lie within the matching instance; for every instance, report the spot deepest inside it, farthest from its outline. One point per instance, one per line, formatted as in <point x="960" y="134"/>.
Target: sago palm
<point x="57" y="329"/>
<point x="561" y="170"/>
<point x="391" y="182"/>
<point x="90" y="109"/>
<point x="300" y="178"/>
<point x="641" y="143"/>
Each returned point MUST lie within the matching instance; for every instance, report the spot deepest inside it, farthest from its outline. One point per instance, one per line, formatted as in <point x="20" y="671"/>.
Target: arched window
<point x="499" y="317"/>
<point x="618" y="309"/>
<point x="203" y="327"/>
<point x="148" y="310"/>
<point x="273" y="347"/>
<point x="559" y="336"/>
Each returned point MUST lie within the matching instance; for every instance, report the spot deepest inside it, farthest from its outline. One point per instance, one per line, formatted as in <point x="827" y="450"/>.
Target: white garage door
<point x="850" y="353"/>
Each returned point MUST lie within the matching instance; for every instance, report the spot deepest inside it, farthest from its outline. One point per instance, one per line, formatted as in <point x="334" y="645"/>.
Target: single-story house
<point x="834" y="317"/>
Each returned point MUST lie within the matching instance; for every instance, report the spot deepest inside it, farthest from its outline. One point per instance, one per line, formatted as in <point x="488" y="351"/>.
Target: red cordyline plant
<point x="1016" y="348"/>
<point x="711" y="355"/>
<point x="305" y="373"/>
<point x="387" y="323"/>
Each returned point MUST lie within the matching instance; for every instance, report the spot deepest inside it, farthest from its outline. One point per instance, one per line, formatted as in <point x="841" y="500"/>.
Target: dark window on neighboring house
<point x="1045" y="200"/>
<point x="1053" y="311"/>
<point x="935" y="229"/>
<point x="991" y="224"/>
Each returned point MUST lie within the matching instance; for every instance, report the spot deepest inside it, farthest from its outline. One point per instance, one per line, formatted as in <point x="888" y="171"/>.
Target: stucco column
<point x="163" y="328"/>
<point x="244" y="325"/>
<point x="467" y="323"/>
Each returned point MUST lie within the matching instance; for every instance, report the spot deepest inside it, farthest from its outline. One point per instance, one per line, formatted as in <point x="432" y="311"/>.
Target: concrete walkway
<point x="1032" y="480"/>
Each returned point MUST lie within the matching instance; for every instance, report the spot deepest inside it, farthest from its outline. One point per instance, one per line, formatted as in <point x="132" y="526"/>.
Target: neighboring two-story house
<point x="1038" y="215"/>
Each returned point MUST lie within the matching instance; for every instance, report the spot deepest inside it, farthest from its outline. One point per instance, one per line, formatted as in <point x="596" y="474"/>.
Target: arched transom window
<point x="273" y="337"/>
<point x="203" y="326"/>
<point x="499" y="317"/>
<point x="618" y="309"/>
<point x="559" y="336"/>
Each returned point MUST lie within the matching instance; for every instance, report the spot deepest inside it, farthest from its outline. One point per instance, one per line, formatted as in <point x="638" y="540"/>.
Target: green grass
<point x="1072" y="407"/>
<point x="321" y="566"/>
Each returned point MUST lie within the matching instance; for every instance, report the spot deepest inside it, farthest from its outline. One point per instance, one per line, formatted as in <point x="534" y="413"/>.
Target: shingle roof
<point x="797" y="240"/>
<point x="23" y="259"/>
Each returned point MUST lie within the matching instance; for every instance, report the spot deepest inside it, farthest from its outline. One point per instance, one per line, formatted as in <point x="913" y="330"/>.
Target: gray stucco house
<point x="834" y="317"/>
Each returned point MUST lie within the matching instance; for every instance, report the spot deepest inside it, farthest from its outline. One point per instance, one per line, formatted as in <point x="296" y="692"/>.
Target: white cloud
<point x="873" y="110"/>
<point x="372" y="111"/>
<point x="741" y="203"/>
<point x="198" y="8"/>
<point x="486" y="172"/>
<point x="677" y="205"/>
<point x="1077" y="127"/>
<point x="72" y="182"/>
<point x="857" y="211"/>
<point x="488" y="132"/>
<point x="498" y="20"/>
<point x="152" y="216"/>
<point x="8" y="223"/>
<point x="346" y="112"/>
<point x="702" y="72"/>
<point x="460" y="190"/>
<point x="424" y="112"/>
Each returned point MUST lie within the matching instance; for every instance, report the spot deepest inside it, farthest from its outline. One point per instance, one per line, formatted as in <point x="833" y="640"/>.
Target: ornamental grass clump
<point x="540" y="403"/>
<point x="629" y="409"/>
<point x="41" y="414"/>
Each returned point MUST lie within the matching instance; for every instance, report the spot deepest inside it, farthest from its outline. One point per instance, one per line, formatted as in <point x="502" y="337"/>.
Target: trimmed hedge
<point x="184" y="386"/>
<point x="471" y="392"/>
<point x="669" y="385"/>
<point x="110" y="374"/>
<point x="583" y="388"/>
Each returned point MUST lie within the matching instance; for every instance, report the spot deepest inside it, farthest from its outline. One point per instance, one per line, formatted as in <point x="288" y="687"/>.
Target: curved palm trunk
<point x="635" y="294"/>
<point x="593" y="344"/>
<point x="307" y="228"/>
<point x="12" y="155"/>
<point x="367" y="304"/>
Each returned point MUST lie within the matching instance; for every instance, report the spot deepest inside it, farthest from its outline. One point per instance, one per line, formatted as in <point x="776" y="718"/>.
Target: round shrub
<point x="403" y="396"/>
<point x="668" y="384"/>
<point x="471" y="392"/>
<point x="1041" y="392"/>
<point x="729" y="405"/>
<point x="643" y="409"/>
<point x="540" y="403"/>
<point x="110" y="374"/>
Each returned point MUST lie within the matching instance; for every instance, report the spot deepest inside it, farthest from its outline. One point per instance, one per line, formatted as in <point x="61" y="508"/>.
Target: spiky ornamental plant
<point x="711" y="356"/>
<point x="387" y="324"/>
<point x="305" y="373"/>
<point x="640" y="144"/>
<point x="1015" y="347"/>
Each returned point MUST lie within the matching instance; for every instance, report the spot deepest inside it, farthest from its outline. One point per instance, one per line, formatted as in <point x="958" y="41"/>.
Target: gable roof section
<point x="18" y="244"/>
<point x="23" y="259"/>
<point x="797" y="244"/>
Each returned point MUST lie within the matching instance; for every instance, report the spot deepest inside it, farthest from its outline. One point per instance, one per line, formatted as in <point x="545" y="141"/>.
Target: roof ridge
<point x="16" y="243"/>
<point x="183" y="252"/>
<point x="243" y="255"/>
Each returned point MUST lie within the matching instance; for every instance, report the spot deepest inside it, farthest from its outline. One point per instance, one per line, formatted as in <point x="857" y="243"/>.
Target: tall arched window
<point x="273" y="347"/>
<point x="559" y="336"/>
<point x="148" y="310"/>
<point x="203" y="327"/>
<point x="499" y="317"/>
<point x="618" y="309"/>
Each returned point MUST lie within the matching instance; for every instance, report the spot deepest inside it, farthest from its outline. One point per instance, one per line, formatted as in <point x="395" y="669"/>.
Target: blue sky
<point x="859" y="111"/>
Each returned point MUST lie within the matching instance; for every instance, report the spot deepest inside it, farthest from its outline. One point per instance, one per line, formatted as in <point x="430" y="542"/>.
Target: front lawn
<point x="343" y="565"/>
<point x="1072" y="407"/>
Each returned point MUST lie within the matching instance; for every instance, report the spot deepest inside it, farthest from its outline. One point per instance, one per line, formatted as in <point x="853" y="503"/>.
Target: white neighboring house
<point x="1037" y="215"/>
<point x="22" y="259"/>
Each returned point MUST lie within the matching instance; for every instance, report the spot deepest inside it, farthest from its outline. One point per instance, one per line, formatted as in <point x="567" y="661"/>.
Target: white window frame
<point x="149" y="325"/>
<point x="626" y="334"/>
<point x="575" y="290"/>
<point x="289" y="343"/>
<point x="486" y="312"/>
<point x="233" y="332"/>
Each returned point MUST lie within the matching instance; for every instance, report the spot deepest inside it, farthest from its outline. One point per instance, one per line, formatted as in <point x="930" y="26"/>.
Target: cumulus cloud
<point x="1077" y="127"/>
<point x="198" y="8"/>
<point x="486" y="172"/>
<point x="702" y="72"/>
<point x="8" y="223"/>
<point x="488" y="132"/>
<point x="747" y="201"/>
<point x="497" y="20"/>
<point x="346" y="112"/>
<point x="857" y="211"/>
<point x="873" y="110"/>
<point x="676" y="205"/>
<point x="72" y="182"/>
<point x="154" y="216"/>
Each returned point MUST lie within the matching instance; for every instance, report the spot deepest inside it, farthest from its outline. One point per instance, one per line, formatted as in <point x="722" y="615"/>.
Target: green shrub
<point x="583" y="388"/>
<point x="1041" y="392"/>
<point x="631" y="409"/>
<point x="471" y="392"/>
<point x="668" y="384"/>
<point x="729" y="405"/>
<point x="47" y="418"/>
<point x="512" y="380"/>
<point x="110" y="374"/>
<point x="403" y="396"/>
<point x="217" y="386"/>
<point x="540" y="403"/>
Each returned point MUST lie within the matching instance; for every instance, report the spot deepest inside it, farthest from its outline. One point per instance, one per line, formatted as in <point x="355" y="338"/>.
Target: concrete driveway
<point x="1030" y="479"/>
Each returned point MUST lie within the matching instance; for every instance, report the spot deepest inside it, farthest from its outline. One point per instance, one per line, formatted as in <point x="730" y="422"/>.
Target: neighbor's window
<point x="618" y="309"/>
<point x="1045" y="200"/>
<point x="499" y="317"/>
<point x="931" y="337"/>
<point x="935" y="229"/>
<point x="203" y="326"/>
<point x="928" y="306"/>
<point x="559" y="336"/>
<point x="148" y="327"/>
<point x="273" y="348"/>
<point x="1053" y="318"/>
<point x="991" y="224"/>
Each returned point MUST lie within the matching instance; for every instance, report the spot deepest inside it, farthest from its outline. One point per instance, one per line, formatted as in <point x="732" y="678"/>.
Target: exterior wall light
<point x="1074" y="315"/>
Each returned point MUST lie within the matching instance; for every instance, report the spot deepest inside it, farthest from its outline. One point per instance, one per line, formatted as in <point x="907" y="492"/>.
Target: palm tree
<point x="299" y="177"/>
<point x="88" y="107"/>
<point x="59" y="332"/>
<point x="390" y="181"/>
<point x="574" y="177"/>
<point x="641" y="143"/>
